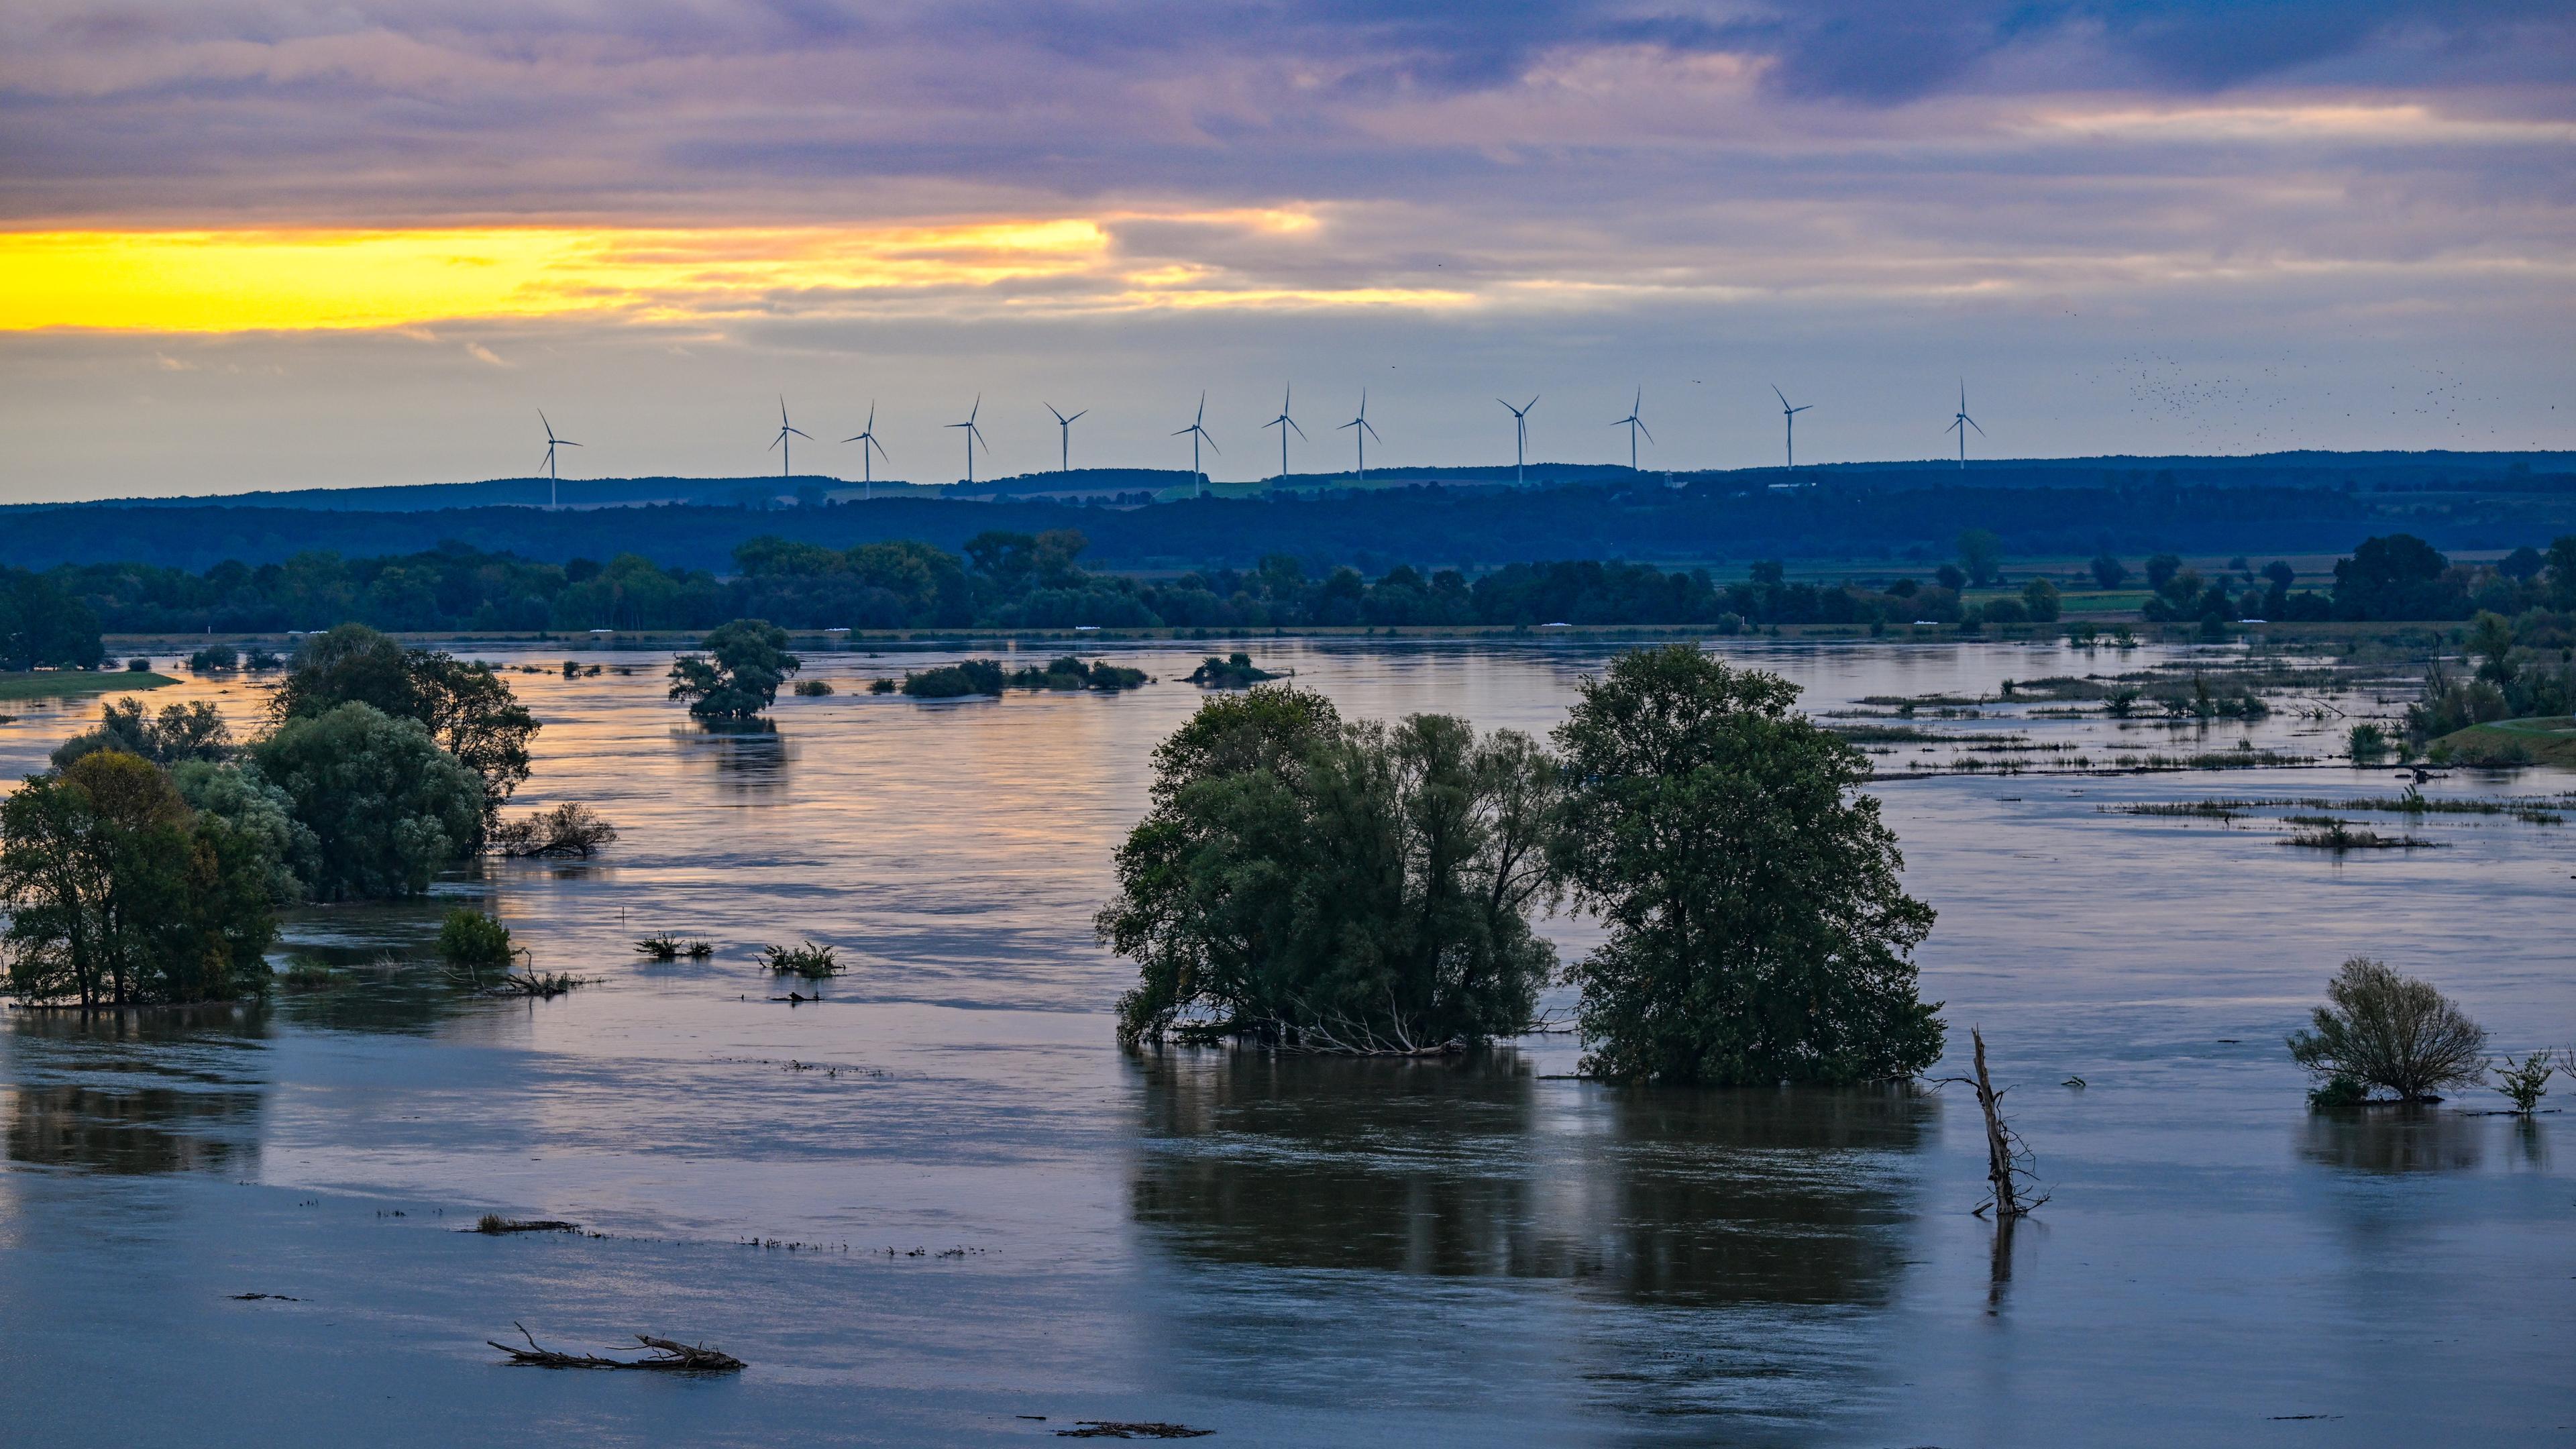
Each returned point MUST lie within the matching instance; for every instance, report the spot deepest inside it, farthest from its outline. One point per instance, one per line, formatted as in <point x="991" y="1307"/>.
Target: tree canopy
<point x="387" y="806"/>
<point x="737" y="672"/>
<point x="467" y="708"/>
<point x="1757" y="931"/>
<point x="1312" y="883"/>
<point x="118" y="893"/>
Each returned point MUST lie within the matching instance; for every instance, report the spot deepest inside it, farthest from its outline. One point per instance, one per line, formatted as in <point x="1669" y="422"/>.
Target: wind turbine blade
<point x="1211" y="442"/>
<point x="1782" y="396"/>
<point x="1954" y="426"/>
<point x="1507" y="407"/>
<point x="774" y="442"/>
<point x="853" y="440"/>
<point x="1182" y="432"/>
<point x="1800" y="408"/>
<point x="1372" y="432"/>
<point x="800" y="432"/>
<point x="550" y="427"/>
<point x="1076" y="415"/>
<point x="564" y="442"/>
<point x="1649" y="432"/>
<point x="1981" y="432"/>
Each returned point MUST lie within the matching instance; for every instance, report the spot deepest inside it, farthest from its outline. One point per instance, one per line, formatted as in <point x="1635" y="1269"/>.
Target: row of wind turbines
<point x="1360" y="428"/>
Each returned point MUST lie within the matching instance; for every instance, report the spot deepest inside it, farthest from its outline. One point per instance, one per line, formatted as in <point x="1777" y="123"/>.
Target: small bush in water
<point x="2383" y="1029"/>
<point x="471" y="939"/>
<point x="809" y="961"/>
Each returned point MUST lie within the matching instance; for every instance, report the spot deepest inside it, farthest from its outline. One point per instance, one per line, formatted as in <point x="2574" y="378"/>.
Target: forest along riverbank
<point x="1386" y="1240"/>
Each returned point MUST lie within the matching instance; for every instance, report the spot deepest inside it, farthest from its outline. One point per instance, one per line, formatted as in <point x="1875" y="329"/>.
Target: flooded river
<point x="940" y="1207"/>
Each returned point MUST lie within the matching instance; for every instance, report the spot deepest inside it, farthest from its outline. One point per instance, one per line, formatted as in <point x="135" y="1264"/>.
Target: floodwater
<point x="941" y="1207"/>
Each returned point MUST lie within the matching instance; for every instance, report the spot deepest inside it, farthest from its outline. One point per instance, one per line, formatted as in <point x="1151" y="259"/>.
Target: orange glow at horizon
<point x="323" y="279"/>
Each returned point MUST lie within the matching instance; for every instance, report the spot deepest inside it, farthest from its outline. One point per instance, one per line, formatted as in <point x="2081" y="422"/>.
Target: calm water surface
<point x="997" y="1216"/>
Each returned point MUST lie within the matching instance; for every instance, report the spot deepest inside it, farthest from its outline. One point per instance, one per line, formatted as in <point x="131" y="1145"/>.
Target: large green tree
<point x="1757" y="930"/>
<point x="118" y="893"/>
<point x="737" y="672"/>
<point x="387" y="806"/>
<point x="468" y="709"/>
<point x="1326" y="885"/>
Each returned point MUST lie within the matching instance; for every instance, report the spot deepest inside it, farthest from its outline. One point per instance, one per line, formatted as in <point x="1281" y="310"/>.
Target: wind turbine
<point x="867" y="439"/>
<point x="1789" y="417"/>
<point x="1283" y="423"/>
<point x="1362" y="436"/>
<point x="780" y="442"/>
<point x="552" y="443"/>
<point x="1962" y="423"/>
<point x="1064" y="426"/>
<point x="1198" y="434"/>
<point x="974" y="435"/>
<point x="1633" y="423"/>
<point x="1520" y="434"/>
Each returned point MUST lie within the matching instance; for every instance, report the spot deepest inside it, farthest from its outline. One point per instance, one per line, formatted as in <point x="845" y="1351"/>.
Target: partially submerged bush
<point x="881" y="686"/>
<point x="809" y="961"/>
<point x="2391" y="1031"/>
<point x="2525" y="1082"/>
<point x="569" y="829"/>
<point x="215" y="659"/>
<point x="667" y="947"/>
<point x="1234" y="671"/>
<point x="193" y="731"/>
<point x="388" y="808"/>
<point x="813" y="688"/>
<point x="1070" y="673"/>
<point x="2369" y="743"/>
<point x="473" y="941"/>
<point x="956" y="681"/>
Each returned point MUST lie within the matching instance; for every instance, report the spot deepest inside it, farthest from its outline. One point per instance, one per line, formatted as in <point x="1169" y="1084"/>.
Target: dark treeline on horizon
<point x="1004" y="579"/>
<point x="1847" y="514"/>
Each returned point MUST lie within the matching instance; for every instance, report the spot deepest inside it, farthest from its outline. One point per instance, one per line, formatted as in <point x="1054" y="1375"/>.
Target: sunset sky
<point x="291" y="244"/>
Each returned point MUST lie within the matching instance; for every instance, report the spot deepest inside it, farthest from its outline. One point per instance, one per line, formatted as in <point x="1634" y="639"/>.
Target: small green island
<point x="970" y="677"/>
<point x="1234" y="671"/>
<point x="75" y="683"/>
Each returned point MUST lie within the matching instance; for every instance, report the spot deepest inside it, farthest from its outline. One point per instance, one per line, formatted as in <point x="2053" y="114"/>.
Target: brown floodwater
<point x="940" y="1206"/>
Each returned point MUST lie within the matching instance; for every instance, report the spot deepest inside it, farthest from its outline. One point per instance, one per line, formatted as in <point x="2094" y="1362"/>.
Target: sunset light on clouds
<point x="2356" y="220"/>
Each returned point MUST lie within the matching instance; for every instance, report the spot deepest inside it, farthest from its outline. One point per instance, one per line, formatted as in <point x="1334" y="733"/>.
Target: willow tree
<point x="1311" y="883"/>
<point x="1757" y="930"/>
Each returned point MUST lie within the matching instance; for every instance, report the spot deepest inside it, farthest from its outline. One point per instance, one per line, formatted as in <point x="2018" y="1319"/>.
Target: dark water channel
<point x="995" y="1215"/>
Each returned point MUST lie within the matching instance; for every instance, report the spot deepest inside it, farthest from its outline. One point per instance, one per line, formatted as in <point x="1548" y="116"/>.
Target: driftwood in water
<point x="667" y="1356"/>
<point x="1112" y="1429"/>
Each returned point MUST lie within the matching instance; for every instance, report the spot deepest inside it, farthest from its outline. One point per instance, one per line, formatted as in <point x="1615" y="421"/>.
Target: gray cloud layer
<point x="2273" y="211"/>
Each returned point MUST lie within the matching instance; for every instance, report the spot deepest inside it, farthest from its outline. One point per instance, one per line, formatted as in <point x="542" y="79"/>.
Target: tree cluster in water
<point x="148" y="863"/>
<point x="1313" y="883"/>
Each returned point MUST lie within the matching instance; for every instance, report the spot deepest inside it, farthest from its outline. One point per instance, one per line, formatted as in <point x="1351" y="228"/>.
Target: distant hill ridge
<point x="2291" y="469"/>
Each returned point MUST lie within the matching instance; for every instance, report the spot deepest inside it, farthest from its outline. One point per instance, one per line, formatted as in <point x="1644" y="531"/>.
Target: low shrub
<point x="214" y="659"/>
<point x="809" y="961"/>
<point x="956" y="681"/>
<point x="472" y="941"/>
<point x="2387" y="1030"/>
<point x="569" y="829"/>
<point x="813" y="688"/>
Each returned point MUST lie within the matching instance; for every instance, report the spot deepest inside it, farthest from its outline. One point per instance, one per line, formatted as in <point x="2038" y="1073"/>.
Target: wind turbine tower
<point x="1520" y="435"/>
<point x="1283" y="423"/>
<point x="1197" y="433"/>
<point x="552" y="443"/>
<point x="1361" y="437"/>
<point x="1789" y="417"/>
<point x="1962" y="423"/>
<point x="866" y="440"/>
<point x="1064" y="440"/>
<point x="780" y="442"/>
<point x="974" y="435"/>
<point x="1634" y="424"/>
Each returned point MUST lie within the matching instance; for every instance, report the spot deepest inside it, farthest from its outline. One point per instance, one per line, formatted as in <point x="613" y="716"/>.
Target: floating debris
<point x="667" y="1356"/>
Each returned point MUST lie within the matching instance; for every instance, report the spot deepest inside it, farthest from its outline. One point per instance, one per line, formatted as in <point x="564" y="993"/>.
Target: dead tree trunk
<point x="2004" y="1150"/>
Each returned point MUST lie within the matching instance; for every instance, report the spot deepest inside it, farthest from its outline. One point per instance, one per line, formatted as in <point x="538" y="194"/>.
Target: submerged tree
<point x="387" y="807"/>
<point x="194" y="731"/>
<point x="1329" y="886"/>
<point x="1758" y="933"/>
<point x="2380" y="1028"/>
<point x="470" y="711"/>
<point x="118" y="893"/>
<point x="738" y="673"/>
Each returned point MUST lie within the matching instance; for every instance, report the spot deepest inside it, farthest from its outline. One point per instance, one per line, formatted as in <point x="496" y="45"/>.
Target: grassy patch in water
<point x="72" y="683"/>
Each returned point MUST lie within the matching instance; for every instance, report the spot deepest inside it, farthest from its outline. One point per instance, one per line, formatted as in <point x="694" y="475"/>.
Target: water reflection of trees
<point x="748" y="756"/>
<point x="1439" y="1169"/>
<point x="133" y="1093"/>
<point x="2394" y="1139"/>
